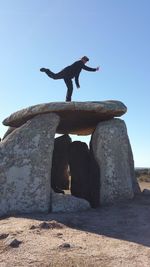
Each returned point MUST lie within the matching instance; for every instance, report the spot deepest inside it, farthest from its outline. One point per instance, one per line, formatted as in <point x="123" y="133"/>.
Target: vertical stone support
<point x="79" y="161"/>
<point x="112" y="151"/>
<point x="60" y="174"/>
<point x="25" y="166"/>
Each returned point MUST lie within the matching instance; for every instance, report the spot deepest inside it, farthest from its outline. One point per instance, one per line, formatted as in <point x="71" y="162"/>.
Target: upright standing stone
<point x="79" y="161"/>
<point x="60" y="173"/>
<point x="25" y="166"/>
<point x="113" y="153"/>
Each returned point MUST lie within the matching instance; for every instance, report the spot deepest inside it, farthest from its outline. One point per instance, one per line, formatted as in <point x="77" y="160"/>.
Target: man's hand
<point x="97" y="69"/>
<point x="78" y="86"/>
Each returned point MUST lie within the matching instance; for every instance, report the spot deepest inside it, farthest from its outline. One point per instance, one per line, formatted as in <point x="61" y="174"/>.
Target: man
<point x="70" y="72"/>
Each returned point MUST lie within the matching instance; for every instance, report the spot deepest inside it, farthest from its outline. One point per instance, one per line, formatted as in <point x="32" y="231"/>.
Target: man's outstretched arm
<point x="90" y="69"/>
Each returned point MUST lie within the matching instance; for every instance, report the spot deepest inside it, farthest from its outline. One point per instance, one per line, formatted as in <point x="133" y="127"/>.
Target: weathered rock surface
<point x="75" y="117"/>
<point x="79" y="161"/>
<point x="113" y="153"/>
<point x="102" y="175"/>
<point x="25" y="166"/>
<point x="9" y="131"/>
<point x="146" y="192"/>
<point x="68" y="203"/>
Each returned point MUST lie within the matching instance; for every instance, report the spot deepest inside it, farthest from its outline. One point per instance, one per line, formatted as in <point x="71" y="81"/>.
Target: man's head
<point x="85" y="59"/>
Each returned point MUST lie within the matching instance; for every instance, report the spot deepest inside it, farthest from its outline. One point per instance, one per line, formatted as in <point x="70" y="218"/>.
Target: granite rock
<point x="75" y="117"/>
<point x="113" y="153"/>
<point x="67" y="203"/>
<point x="25" y="166"/>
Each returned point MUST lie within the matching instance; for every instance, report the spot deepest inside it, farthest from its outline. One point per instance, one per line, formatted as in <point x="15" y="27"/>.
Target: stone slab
<point x="112" y="151"/>
<point x="68" y="203"/>
<point x="25" y="166"/>
<point x="75" y="117"/>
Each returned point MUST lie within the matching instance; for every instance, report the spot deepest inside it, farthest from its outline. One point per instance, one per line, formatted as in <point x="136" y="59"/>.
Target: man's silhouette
<point x="70" y="72"/>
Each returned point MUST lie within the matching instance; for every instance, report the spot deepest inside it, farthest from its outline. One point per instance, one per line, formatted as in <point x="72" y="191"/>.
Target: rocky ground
<point x="116" y="236"/>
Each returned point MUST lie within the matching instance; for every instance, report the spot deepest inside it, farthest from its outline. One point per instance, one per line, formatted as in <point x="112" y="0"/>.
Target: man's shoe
<point x="42" y="69"/>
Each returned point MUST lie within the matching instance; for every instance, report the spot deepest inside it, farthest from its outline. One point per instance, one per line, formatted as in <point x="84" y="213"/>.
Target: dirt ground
<point x="116" y="236"/>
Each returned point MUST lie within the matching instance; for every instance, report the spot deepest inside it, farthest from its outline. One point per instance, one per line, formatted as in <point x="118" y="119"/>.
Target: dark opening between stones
<point x="75" y="170"/>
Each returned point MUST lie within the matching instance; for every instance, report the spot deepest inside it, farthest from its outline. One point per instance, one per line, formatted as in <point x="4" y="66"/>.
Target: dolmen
<point x="31" y="159"/>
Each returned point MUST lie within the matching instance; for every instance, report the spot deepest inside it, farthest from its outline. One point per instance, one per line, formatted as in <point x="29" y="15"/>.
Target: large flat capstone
<point x="75" y="117"/>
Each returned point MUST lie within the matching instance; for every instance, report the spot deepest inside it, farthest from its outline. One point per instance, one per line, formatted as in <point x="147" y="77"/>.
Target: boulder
<point x="25" y="166"/>
<point x="68" y="203"/>
<point x="59" y="173"/>
<point x="75" y="117"/>
<point x="112" y="151"/>
<point x="79" y="159"/>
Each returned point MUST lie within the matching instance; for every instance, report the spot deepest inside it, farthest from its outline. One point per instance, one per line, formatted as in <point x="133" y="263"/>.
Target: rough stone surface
<point x="75" y="117"/>
<point x="79" y="161"/>
<point x="146" y="192"/>
<point x="112" y="151"/>
<point x="9" y="131"/>
<point x="94" y="177"/>
<point x="68" y="203"/>
<point x="59" y="173"/>
<point x="135" y="185"/>
<point x="25" y="166"/>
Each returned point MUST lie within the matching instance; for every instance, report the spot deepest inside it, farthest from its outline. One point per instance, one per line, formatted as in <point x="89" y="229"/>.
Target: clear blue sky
<point x="114" y="34"/>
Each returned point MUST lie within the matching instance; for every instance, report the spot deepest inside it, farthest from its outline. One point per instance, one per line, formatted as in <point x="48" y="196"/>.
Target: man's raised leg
<point x="55" y="76"/>
<point x="48" y="72"/>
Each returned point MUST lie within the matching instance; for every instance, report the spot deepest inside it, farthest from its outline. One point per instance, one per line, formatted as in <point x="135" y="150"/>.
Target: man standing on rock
<point x="70" y="72"/>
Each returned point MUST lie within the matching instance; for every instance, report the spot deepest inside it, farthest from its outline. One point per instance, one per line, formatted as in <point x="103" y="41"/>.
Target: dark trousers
<point x="68" y="81"/>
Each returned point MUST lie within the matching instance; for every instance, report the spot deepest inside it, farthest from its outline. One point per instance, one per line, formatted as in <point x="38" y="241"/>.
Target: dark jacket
<point x="73" y="71"/>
